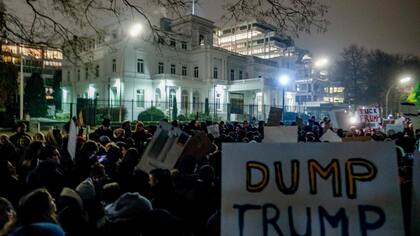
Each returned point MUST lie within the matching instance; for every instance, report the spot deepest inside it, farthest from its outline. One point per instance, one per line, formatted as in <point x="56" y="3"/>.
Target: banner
<point x="280" y="134"/>
<point x="395" y="127"/>
<point x="164" y="149"/>
<point x="310" y="189"/>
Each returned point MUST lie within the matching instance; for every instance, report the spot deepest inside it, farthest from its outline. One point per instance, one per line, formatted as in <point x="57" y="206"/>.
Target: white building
<point x="139" y="72"/>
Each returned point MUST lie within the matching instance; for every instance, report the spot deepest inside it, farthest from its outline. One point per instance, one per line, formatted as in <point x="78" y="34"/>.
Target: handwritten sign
<point x="311" y="189"/>
<point x="369" y="115"/>
<point x="164" y="149"/>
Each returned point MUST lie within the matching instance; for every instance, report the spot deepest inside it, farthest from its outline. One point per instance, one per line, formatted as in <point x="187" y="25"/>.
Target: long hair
<point x="37" y="206"/>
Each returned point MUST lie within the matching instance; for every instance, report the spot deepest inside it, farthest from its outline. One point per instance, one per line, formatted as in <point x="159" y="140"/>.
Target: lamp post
<point x="133" y="32"/>
<point x="403" y="80"/>
<point x="284" y="80"/>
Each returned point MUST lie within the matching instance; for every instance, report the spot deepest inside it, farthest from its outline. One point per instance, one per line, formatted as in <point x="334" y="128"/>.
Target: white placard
<point x="415" y="199"/>
<point x="369" y="115"/>
<point x="331" y="137"/>
<point x="280" y="134"/>
<point x="164" y="149"/>
<point x="214" y="130"/>
<point x="277" y="189"/>
<point x="72" y="141"/>
<point x="395" y="127"/>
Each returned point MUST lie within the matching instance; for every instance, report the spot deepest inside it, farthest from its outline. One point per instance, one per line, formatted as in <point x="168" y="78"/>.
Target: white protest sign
<point x="72" y="141"/>
<point x="310" y="189"/>
<point x="395" y="127"/>
<point x="280" y="134"/>
<point x="214" y="130"/>
<point x="331" y="137"/>
<point x="415" y="199"/>
<point x="369" y="115"/>
<point x="164" y="149"/>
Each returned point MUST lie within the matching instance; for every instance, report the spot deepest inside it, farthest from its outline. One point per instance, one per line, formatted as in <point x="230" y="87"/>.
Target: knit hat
<point x="70" y="193"/>
<point x="128" y="206"/>
<point x="86" y="189"/>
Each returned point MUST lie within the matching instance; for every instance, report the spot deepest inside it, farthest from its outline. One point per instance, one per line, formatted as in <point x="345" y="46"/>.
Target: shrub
<point x="151" y="114"/>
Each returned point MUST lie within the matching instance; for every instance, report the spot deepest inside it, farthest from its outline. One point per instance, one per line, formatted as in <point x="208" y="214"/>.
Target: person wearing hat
<point x="105" y="129"/>
<point x="20" y="132"/>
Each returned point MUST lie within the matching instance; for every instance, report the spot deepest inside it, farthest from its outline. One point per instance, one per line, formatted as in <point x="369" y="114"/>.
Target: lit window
<point x="140" y="98"/>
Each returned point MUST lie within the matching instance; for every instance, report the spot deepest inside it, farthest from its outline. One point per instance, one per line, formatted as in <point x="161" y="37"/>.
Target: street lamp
<point x="133" y="31"/>
<point x="284" y="80"/>
<point x="403" y="80"/>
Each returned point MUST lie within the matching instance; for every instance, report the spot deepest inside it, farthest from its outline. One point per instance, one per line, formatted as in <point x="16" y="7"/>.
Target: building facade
<point x="182" y="65"/>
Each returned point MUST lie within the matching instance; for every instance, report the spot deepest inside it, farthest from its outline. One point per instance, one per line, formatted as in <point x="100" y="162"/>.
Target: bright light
<point x="135" y="30"/>
<point x="91" y="92"/>
<point x="405" y="80"/>
<point x="117" y="83"/>
<point x="284" y="80"/>
<point x="353" y="120"/>
<point x="320" y="63"/>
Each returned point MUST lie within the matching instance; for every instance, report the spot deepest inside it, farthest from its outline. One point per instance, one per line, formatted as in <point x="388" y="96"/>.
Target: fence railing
<point x="93" y="111"/>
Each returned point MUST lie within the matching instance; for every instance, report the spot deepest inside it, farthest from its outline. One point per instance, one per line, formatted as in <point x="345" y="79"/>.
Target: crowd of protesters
<point x="44" y="191"/>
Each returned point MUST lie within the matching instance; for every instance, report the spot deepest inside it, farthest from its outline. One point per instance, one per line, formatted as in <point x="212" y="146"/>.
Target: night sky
<point x="390" y="25"/>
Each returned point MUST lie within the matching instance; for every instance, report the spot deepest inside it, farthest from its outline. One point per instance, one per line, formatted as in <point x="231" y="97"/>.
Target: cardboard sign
<point x="164" y="149"/>
<point x="331" y="137"/>
<point x="72" y="142"/>
<point x="214" y="130"/>
<point x="198" y="146"/>
<point x="311" y="189"/>
<point x="280" y="134"/>
<point x="369" y="115"/>
<point x="415" y="199"/>
<point x="340" y="119"/>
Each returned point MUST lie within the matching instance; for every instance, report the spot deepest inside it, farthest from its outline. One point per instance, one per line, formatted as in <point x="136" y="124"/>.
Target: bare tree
<point x="54" y="22"/>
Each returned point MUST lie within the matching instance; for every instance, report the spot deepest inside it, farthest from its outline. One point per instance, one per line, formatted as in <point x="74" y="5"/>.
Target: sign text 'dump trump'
<point x="310" y="189"/>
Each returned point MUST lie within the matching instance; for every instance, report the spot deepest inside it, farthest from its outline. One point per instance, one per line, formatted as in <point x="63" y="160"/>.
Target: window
<point x="259" y="102"/>
<point x="140" y="98"/>
<point x="184" y="70"/>
<point x="215" y="73"/>
<point x="114" y="65"/>
<point x="172" y="43"/>
<point x="196" y="101"/>
<point x="68" y="76"/>
<point x="196" y="72"/>
<point x="218" y="98"/>
<point x="184" y="102"/>
<point x="173" y="69"/>
<point x="184" y="45"/>
<point x="140" y="66"/>
<point x="240" y="75"/>
<point x="201" y="40"/>
<point x="86" y="73"/>
<point x="157" y="97"/>
<point x="172" y="94"/>
<point x="161" y="68"/>
<point x="78" y="74"/>
<point x="97" y="71"/>
<point x="232" y="74"/>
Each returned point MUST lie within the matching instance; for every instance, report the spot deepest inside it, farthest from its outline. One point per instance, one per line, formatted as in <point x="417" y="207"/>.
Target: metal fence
<point x="93" y="111"/>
